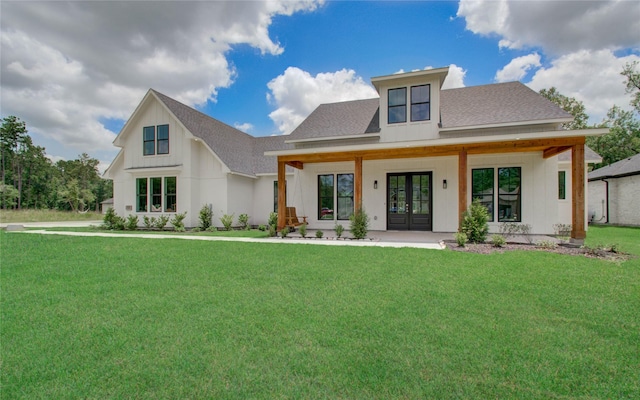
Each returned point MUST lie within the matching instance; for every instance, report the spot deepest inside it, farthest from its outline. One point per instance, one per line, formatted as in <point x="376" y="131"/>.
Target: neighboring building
<point x="614" y="191"/>
<point x="413" y="158"/>
<point x="106" y="205"/>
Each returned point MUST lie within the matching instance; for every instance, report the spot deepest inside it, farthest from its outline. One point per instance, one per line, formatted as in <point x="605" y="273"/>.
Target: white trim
<point x="333" y="138"/>
<point x="506" y="124"/>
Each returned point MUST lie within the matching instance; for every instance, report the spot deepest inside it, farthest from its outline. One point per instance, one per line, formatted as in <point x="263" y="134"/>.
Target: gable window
<point x="509" y="197"/>
<point x="152" y="145"/>
<point x="163" y="139"/>
<point x="562" y="185"/>
<point x="157" y="194"/>
<point x="421" y="103"/>
<point x="149" y="140"/>
<point x="482" y="188"/>
<point x="397" y="106"/>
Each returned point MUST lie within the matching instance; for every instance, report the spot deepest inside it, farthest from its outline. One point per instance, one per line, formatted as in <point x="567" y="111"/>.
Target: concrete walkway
<point x="395" y="239"/>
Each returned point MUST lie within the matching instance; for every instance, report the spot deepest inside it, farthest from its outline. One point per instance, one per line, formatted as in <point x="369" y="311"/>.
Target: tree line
<point x="29" y="179"/>
<point x="623" y="139"/>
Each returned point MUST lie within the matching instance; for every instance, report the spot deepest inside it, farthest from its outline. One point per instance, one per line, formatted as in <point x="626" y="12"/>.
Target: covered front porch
<point x="547" y="148"/>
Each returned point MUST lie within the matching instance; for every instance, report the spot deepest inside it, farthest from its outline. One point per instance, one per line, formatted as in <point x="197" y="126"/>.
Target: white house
<point x="413" y="158"/>
<point x="614" y="191"/>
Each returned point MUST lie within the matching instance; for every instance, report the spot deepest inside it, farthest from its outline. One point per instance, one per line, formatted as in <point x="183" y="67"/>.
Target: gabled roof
<point x="496" y="104"/>
<point x="340" y="119"/>
<point x="233" y="147"/>
<point x="627" y="167"/>
<point x="590" y="156"/>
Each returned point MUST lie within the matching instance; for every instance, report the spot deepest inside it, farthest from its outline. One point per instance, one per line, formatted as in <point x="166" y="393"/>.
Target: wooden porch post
<point x="462" y="185"/>
<point x="357" y="183"/>
<point x="282" y="194"/>
<point x="578" y="199"/>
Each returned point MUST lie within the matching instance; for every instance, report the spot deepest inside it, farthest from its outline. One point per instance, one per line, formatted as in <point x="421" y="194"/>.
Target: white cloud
<point x="296" y="93"/>
<point x="455" y="78"/>
<point x="66" y="66"/>
<point x="591" y="77"/>
<point x="518" y="68"/>
<point x="556" y="26"/>
<point x="244" y="127"/>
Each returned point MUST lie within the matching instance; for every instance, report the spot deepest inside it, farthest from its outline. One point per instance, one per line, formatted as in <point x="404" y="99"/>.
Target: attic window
<point x="397" y="105"/>
<point x="420" y="103"/>
<point x="153" y="145"/>
<point x="163" y="139"/>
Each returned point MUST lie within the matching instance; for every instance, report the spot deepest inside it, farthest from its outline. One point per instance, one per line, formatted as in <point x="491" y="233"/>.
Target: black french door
<point x="409" y="201"/>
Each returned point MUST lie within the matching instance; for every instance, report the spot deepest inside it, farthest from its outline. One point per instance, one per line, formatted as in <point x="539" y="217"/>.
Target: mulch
<point x="572" y="250"/>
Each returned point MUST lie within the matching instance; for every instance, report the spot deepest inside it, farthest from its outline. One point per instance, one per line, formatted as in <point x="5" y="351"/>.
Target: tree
<point x="632" y="83"/>
<point x="77" y="198"/>
<point x="622" y="141"/>
<point x="8" y="196"/>
<point x="570" y="105"/>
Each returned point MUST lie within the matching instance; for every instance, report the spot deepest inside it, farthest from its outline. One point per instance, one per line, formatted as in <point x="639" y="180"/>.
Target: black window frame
<point x="330" y="204"/>
<point x="562" y="185"/>
<point x="142" y="195"/>
<point x="511" y="216"/>
<point x="163" y="142"/>
<point x="146" y="140"/>
<point x="398" y="106"/>
<point x="340" y="195"/>
<point x="419" y="103"/>
<point x="170" y="197"/>
<point x="478" y="192"/>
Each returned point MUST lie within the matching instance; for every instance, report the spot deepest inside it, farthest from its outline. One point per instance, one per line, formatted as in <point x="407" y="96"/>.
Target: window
<point x="170" y="196"/>
<point x="509" y="199"/>
<point x="157" y="194"/>
<point x="482" y="188"/>
<point x="345" y="196"/>
<point x="275" y="194"/>
<point x="163" y="139"/>
<point x="152" y="147"/>
<point x="420" y="103"/>
<point x="149" y="140"/>
<point x="562" y="185"/>
<point x="397" y="105"/>
<point x="141" y="194"/>
<point x="325" y="197"/>
<point x="509" y="195"/>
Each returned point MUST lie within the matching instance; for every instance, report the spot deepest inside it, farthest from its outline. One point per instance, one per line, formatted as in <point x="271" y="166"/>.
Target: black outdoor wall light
<point x="444" y="184"/>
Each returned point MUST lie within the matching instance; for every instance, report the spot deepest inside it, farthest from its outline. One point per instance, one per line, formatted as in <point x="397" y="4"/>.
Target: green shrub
<point x="112" y="221"/>
<point x="178" y="221"/>
<point x="284" y="232"/>
<point x="303" y="230"/>
<point x="359" y="224"/>
<point x="461" y="238"/>
<point x="547" y="244"/>
<point x="205" y="217"/>
<point x="262" y="228"/>
<point x="272" y="231"/>
<point x="273" y="219"/>
<point x="339" y="229"/>
<point x="161" y="222"/>
<point x="227" y="221"/>
<point x="498" y="241"/>
<point x="132" y="223"/>
<point x="243" y="221"/>
<point x="319" y="234"/>
<point x="196" y="229"/>
<point x="149" y="222"/>
<point x="211" y="229"/>
<point x="474" y="222"/>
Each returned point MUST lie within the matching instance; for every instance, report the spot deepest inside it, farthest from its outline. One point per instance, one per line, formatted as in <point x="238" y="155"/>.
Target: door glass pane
<point x="420" y="195"/>
<point x="393" y="195"/>
<point x="402" y="194"/>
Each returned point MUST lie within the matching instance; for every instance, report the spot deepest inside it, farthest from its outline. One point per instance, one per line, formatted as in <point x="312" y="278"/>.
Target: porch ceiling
<point x="549" y="147"/>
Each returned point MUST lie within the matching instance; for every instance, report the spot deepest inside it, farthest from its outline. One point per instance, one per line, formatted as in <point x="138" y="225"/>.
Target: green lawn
<point x="88" y="317"/>
<point x="27" y="215"/>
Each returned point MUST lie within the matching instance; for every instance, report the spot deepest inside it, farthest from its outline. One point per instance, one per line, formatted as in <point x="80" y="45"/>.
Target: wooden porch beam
<point x="357" y="183"/>
<point x="282" y="194"/>
<point x="296" y="164"/>
<point x="578" y="231"/>
<point x="552" y="151"/>
<point x="462" y="186"/>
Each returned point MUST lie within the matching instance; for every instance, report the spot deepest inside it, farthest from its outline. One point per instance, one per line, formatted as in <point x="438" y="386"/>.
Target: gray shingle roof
<point x="340" y="119"/>
<point x="589" y="155"/>
<point x="493" y="104"/>
<point x="627" y="167"/>
<point x="233" y="147"/>
<point x="263" y="164"/>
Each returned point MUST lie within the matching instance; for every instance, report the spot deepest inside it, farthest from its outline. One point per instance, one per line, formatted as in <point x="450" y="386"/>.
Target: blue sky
<point x="75" y="71"/>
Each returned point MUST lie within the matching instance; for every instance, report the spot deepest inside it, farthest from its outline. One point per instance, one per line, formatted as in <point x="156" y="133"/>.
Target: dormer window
<point x="421" y="103"/>
<point x="397" y="105"/>
<point x="152" y="145"/>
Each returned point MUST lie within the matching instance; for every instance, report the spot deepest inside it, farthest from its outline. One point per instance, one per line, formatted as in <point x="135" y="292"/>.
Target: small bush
<point x="178" y="221"/>
<point x="339" y="230"/>
<point x="359" y="224"/>
<point x="262" y="228"/>
<point x="196" y="229"/>
<point x="461" y="238"/>
<point x="243" y="221"/>
<point x="211" y="229"/>
<point x="149" y="222"/>
<point x="205" y="217"/>
<point x="474" y="222"/>
<point x="273" y="219"/>
<point x="525" y="230"/>
<point x="303" y="230"/>
<point x="284" y="232"/>
<point x="547" y="244"/>
<point x="227" y="221"/>
<point x="132" y="223"/>
<point x="272" y="231"/>
<point x="161" y="222"/>
<point x="319" y="234"/>
<point x="112" y="221"/>
<point x="498" y="241"/>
